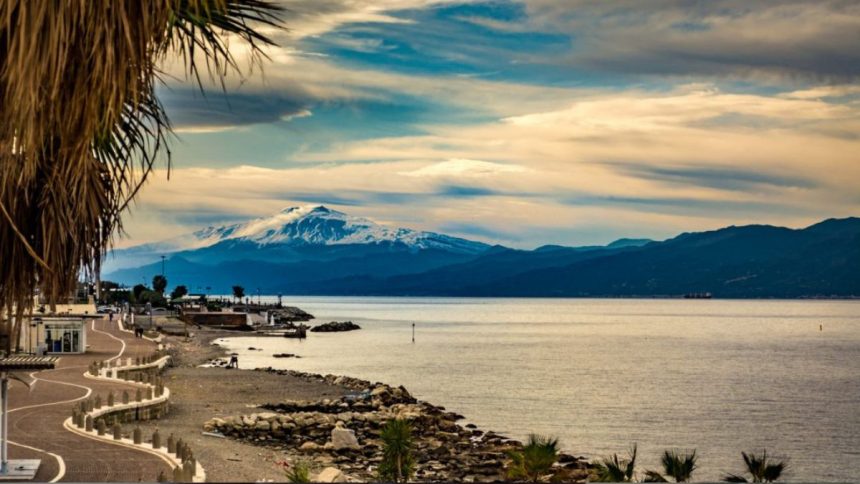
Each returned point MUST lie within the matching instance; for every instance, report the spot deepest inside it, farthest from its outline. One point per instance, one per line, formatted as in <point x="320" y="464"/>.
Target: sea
<point x="603" y="375"/>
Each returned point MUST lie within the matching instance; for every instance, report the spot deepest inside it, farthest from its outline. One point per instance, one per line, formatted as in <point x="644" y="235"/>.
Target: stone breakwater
<point x="344" y="433"/>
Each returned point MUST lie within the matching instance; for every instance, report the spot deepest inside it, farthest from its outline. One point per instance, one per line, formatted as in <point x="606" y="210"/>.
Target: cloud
<point x="785" y="39"/>
<point x="193" y="112"/>
<point x="449" y="115"/>
<point x="459" y="167"/>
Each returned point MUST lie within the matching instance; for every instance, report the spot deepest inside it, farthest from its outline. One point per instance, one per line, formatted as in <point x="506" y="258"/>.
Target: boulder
<point x="343" y="438"/>
<point x="330" y="474"/>
<point x="310" y="447"/>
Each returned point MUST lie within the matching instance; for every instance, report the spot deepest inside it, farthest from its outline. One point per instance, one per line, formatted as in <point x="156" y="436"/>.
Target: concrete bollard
<point x="188" y="468"/>
<point x="81" y="420"/>
<point x="101" y="426"/>
<point x="88" y="424"/>
<point x="179" y="445"/>
<point x="83" y="406"/>
<point x="138" y="395"/>
<point x="149" y="393"/>
<point x="117" y="431"/>
<point x="98" y="402"/>
<point x="137" y="435"/>
<point x="125" y="396"/>
<point x="177" y="474"/>
<point x="156" y="440"/>
<point x="90" y="405"/>
<point x="110" y="399"/>
<point x="171" y="444"/>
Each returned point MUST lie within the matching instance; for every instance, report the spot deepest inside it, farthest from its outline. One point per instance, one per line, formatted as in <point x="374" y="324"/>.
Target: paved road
<point x="36" y="416"/>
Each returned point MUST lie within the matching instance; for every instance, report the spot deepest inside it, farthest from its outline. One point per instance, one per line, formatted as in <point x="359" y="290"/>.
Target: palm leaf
<point x="82" y="128"/>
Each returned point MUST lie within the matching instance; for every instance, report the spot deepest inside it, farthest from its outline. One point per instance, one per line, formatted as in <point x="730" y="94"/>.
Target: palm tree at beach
<point x="81" y="127"/>
<point x="398" y="463"/>
<point x="614" y="469"/>
<point x="678" y="467"/>
<point x="238" y="292"/>
<point x="760" y="468"/>
<point x="535" y="459"/>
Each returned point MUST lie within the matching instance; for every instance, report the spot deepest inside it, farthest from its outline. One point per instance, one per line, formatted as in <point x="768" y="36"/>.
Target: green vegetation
<point x="238" y="292"/>
<point x="159" y="284"/>
<point x="678" y="467"/>
<point x="613" y="469"/>
<point x="178" y="292"/>
<point x="535" y="460"/>
<point x="298" y="473"/>
<point x="398" y="464"/>
<point x="137" y="290"/>
<point x="760" y="468"/>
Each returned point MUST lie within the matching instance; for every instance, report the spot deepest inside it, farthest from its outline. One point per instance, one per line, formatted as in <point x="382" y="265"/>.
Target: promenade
<point x="36" y="416"/>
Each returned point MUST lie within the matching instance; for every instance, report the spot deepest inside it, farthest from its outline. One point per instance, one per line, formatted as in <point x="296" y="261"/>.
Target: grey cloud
<point x="190" y="108"/>
<point x="718" y="178"/>
<point x="788" y="38"/>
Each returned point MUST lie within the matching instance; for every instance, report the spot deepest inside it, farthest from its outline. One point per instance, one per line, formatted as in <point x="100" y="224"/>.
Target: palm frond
<point x="82" y="128"/>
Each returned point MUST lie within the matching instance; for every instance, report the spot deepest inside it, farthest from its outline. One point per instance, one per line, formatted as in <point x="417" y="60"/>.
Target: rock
<point x="330" y="474"/>
<point x="343" y="438"/>
<point x="335" y="326"/>
<point x="285" y="355"/>
<point x="310" y="447"/>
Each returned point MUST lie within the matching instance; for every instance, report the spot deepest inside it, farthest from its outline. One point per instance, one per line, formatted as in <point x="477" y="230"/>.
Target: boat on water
<point x="698" y="295"/>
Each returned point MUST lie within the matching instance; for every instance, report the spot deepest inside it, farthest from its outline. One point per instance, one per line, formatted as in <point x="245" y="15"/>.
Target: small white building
<point x="59" y="335"/>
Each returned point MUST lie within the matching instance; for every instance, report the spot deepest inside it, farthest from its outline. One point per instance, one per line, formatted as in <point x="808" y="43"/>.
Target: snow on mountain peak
<point x="319" y="225"/>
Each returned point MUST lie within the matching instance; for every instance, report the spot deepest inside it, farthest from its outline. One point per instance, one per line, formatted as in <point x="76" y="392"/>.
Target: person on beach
<point x="234" y="361"/>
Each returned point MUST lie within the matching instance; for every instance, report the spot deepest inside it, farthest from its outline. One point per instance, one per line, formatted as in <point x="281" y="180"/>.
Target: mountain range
<point x="314" y="250"/>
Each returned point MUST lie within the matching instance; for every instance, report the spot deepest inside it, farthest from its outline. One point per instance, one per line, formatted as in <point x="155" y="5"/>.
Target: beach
<point x="233" y="419"/>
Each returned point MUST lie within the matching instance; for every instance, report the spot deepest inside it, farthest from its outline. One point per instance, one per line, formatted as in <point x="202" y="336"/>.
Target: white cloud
<point x="460" y="167"/>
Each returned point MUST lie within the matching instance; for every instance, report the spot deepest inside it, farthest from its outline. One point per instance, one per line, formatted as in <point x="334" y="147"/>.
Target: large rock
<point x="335" y="326"/>
<point x="330" y="474"/>
<point x="343" y="438"/>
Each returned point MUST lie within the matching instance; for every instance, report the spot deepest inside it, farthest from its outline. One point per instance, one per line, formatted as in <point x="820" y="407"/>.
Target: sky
<point x="528" y="122"/>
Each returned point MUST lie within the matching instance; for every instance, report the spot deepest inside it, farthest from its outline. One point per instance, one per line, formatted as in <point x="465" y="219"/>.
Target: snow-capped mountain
<point x="289" y="235"/>
<point x="318" y="225"/>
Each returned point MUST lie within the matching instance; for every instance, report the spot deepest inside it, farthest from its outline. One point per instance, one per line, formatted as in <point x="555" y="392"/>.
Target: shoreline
<point x="252" y="409"/>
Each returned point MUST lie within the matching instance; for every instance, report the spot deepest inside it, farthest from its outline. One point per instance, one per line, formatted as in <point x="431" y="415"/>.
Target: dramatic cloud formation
<point x="534" y="122"/>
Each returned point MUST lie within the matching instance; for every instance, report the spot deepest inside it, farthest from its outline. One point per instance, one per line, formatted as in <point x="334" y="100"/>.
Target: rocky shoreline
<point x="444" y="449"/>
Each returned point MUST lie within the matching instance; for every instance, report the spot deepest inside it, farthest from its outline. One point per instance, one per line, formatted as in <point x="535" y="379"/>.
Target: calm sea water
<point x="712" y="375"/>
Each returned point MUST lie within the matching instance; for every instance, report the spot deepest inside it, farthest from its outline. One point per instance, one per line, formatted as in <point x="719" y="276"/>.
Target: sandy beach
<point x="199" y="394"/>
<point x="203" y="395"/>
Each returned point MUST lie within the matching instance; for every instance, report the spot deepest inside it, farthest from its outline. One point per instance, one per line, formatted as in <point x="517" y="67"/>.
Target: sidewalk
<point x="36" y="416"/>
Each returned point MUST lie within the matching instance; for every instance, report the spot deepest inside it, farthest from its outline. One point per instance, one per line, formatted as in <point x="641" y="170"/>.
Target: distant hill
<point x="315" y="250"/>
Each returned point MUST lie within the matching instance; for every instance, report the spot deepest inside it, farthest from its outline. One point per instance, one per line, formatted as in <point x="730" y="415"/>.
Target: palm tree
<point x="81" y="127"/>
<point x="238" y="292"/>
<point x="613" y="469"/>
<point x="159" y="284"/>
<point x="677" y="466"/>
<point x="398" y="464"/>
<point x="760" y="468"/>
<point x="535" y="459"/>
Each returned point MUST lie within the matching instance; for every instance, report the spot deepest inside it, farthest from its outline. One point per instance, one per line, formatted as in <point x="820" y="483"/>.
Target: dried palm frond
<point x="81" y="126"/>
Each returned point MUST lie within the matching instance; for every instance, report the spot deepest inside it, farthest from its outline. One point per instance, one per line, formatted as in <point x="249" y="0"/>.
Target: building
<point x="62" y="335"/>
